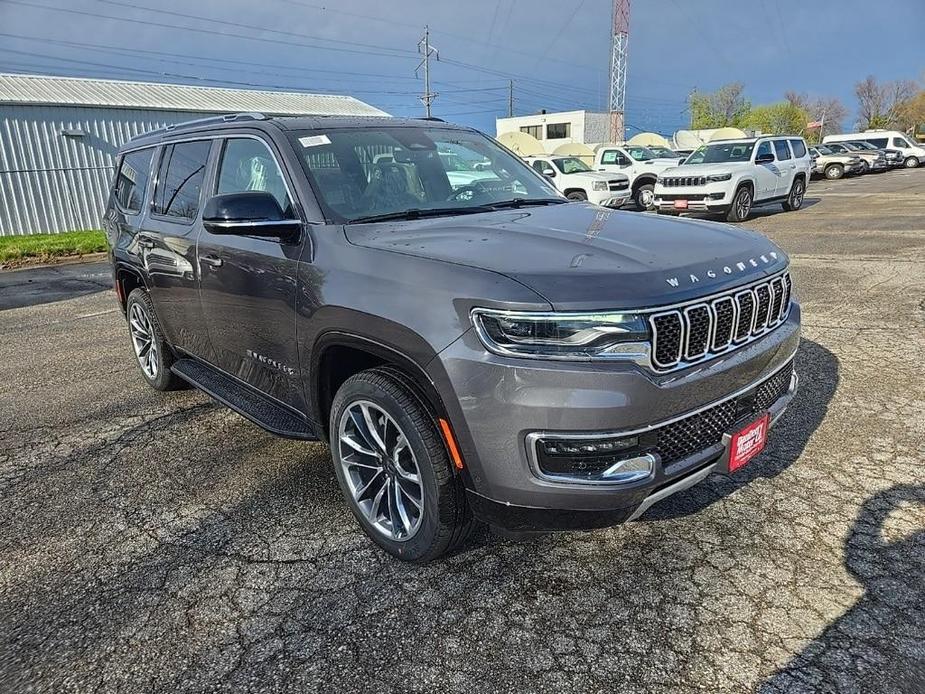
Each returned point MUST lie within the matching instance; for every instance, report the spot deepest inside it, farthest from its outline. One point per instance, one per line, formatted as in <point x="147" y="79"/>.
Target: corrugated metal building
<point x="59" y="135"/>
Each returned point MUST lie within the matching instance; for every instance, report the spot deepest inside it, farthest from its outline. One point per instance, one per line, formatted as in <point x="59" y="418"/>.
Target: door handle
<point x="211" y="260"/>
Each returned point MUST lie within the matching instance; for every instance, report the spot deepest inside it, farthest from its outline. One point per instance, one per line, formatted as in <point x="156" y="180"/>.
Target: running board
<point x="245" y="401"/>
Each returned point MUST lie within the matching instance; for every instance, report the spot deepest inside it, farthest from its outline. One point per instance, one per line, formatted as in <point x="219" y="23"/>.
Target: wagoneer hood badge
<point x="769" y="258"/>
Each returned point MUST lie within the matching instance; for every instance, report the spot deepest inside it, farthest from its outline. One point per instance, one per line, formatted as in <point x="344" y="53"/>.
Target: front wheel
<point x="741" y="205"/>
<point x="795" y="199"/>
<point x="393" y="467"/>
<point x="153" y="354"/>
<point x="834" y="171"/>
<point x="577" y="196"/>
<point x="644" y="197"/>
<point x="911" y="162"/>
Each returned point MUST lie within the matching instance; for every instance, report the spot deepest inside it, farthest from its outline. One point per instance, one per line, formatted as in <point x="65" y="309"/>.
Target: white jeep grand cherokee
<point x="575" y="179"/>
<point x="731" y="176"/>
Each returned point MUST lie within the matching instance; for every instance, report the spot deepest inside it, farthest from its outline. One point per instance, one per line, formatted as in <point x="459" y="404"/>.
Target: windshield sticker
<point x="314" y="140"/>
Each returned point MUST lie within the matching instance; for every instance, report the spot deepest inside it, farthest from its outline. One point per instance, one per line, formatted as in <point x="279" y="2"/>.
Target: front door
<point x="248" y="283"/>
<point x="766" y="173"/>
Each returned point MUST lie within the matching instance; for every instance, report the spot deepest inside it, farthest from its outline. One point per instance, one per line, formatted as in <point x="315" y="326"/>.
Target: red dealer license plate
<point x="748" y="442"/>
<point x="680" y="204"/>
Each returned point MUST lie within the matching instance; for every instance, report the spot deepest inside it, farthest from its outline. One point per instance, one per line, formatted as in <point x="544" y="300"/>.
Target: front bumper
<point x="612" y="199"/>
<point x="503" y="401"/>
<point x="713" y="197"/>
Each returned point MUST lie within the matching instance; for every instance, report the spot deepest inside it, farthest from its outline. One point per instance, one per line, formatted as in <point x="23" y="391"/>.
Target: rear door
<point x="166" y="242"/>
<point x="248" y="285"/>
<point x="786" y="165"/>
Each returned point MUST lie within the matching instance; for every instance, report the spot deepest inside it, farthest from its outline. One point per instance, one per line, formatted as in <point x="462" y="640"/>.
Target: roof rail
<point x="227" y="118"/>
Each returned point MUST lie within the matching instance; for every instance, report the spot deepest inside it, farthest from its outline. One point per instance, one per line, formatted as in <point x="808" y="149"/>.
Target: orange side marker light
<point x="450" y="443"/>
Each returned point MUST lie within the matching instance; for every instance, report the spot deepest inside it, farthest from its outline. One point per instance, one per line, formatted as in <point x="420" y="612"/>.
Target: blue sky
<point x="557" y="53"/>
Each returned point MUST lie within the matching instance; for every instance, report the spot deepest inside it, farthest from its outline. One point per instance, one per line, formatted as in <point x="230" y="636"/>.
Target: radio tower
<point x="621" y="31"/>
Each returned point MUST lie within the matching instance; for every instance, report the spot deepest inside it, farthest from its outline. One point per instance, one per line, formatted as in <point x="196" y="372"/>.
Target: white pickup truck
<point x="640" y="164"/>
<point x="577" y="181"/>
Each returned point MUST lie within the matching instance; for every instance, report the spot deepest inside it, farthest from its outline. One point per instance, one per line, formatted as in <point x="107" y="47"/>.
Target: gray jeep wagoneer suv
<point x="470" y="343"/>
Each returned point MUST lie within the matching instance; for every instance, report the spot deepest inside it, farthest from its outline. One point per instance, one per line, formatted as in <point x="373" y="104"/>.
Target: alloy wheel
<point x="381" y="470"/>
<point x="143" y="340"/>
<point x="796" y="197"/>
<point x="743" y="203"/>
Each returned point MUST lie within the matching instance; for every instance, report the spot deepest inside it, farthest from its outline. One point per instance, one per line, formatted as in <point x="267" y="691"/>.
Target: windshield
<point x="570" y="165"/>
<point x="641" y="153"/>
<point x="721" y="152"/>
<point x="664" y="152"/>
<point x="381" y="170"/>
<point x="822" y="149"/>
<point x="863" y="145"/>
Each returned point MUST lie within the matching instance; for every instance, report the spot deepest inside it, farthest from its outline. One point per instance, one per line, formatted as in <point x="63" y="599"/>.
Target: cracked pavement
<point x="155" y="542"/>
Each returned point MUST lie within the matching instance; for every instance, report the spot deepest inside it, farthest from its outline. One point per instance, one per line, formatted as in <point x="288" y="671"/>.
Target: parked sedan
<point x="873" y="161"/>
<point x="894" y="157"/>
<point x="833" y="165"/>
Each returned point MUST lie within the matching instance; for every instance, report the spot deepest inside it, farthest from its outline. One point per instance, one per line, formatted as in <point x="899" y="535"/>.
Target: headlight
<point x="599" y="185"/>
<point x="719" y="177"/>
<point x="562" y="335"/>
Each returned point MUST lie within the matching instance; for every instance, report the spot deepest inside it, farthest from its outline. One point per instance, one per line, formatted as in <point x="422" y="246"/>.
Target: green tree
<point x="783" y="118"/>
<point x="727" y="106"/>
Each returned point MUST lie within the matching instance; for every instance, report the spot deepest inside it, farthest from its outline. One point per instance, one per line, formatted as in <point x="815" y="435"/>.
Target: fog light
<point x="613" y="460"/>
<point x="575" y="446"/>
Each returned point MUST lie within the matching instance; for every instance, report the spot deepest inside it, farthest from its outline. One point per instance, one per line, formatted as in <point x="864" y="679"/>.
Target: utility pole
<point x="510" y="98"/>
<point x="425" y="49"/>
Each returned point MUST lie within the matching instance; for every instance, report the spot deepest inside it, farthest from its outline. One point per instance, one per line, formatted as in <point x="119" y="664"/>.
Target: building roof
<point x="79" y="91"/>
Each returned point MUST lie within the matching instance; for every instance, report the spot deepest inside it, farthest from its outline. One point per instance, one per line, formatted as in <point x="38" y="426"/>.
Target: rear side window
<point x="799" y="149"/>
<point x="132" y="180"/>
<point x="179" y="179"/>
<point x="781" y="150"/>
<point x="877" y="141"/>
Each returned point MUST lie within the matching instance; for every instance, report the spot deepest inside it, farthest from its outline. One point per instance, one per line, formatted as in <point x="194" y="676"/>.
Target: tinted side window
<point x="179" y="179"/>
<point x="247" y="165"/>
<point x="900" y="142"/>
<point x="132" y="180"/>
<point x="763" y="148"/>
<point x="799" y="149"/>
<point x="782" y="150"/>
<point x="877" y="141"/>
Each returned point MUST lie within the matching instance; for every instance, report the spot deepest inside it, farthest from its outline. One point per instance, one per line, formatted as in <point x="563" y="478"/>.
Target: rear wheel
<point x="644" y="197"/>
<point x="911" y="162"/>
<point x="865" y="167"/>
<point x="577" y="195"/>
<point x="834" y="171"/>
<point x="153" y="354"/>
<point x="393" y="468"/>
<point x="741" y="205"/>
<point x="795" y="199"/>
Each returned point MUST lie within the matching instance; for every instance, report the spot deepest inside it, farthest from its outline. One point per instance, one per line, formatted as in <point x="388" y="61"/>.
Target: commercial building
<point x="59" y="135"/>
<point x="554" y="129"/>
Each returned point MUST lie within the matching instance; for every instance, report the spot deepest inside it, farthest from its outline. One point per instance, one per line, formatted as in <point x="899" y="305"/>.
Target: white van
<point x="913" y="151"/>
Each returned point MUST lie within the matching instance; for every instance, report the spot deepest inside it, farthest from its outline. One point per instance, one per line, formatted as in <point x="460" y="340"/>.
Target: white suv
<point x="640" y="164"/>
<point x="575" y="179"/>
<point x="732" y="176"/>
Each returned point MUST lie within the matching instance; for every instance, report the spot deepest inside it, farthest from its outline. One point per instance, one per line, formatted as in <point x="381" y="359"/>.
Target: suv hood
<point x="579" y="256"/>
<point x="599" y="175"/>
<point x="706" y="169"/>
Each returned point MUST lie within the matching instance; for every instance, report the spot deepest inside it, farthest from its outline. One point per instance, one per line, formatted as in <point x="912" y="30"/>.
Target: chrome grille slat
<point x="700" y="329"/>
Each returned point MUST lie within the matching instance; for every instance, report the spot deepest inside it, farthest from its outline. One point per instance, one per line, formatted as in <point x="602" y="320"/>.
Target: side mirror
<point x="765" y="158"/>
<point x="549" y="173"/>
<point x="254" y="213"/>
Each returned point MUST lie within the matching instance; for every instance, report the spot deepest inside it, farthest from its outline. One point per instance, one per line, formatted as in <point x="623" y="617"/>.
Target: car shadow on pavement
<point x="877" y="646"/>
<point x="817" y="368"/>
<point x="771" y="210"/>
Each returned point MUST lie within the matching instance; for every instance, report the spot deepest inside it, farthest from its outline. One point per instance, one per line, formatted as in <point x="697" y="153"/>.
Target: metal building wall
<point x="51" y="182"/>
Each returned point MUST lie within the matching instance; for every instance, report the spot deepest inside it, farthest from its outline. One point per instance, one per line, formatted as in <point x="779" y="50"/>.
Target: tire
<point x="741" y="204"/>
<point x="644" y="197"/>
<point x="795" y="198"/>
<point x="865" y="168"/>
<point x="407" y="530"/>
<point x="577" y="195"/>
<point x="911" y="162"/>
<point x="152" y="353"/>
<point x="834" y="171"/>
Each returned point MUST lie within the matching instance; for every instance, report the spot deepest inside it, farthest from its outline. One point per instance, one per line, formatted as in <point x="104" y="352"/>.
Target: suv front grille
<point x="676" y="181"/>
<point x="701" y="329"/>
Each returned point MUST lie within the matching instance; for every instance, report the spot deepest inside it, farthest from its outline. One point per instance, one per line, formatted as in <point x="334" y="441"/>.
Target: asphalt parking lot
<point x="156" y="542"/>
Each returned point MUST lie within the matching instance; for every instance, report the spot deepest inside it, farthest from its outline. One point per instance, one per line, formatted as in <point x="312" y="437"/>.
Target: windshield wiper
<point x="415" y="213"/>
<point x="525" y="202"/>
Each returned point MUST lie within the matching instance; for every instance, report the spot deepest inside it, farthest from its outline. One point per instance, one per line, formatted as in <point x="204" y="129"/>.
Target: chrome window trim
<point x="532" y="439"/>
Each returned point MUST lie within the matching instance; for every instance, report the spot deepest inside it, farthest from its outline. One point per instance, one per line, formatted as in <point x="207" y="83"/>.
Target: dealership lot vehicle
<point x="893" y="157"/>
<point x="730" y="177"/>
<point x="912" y="151"/>
<point x="640" y="164"/>
<point x="833" y="165"/>
<point x="577" y="181"/>
<point x="874" y="162"/>
<point x="159" y="542"/>
<point x="320" y="299"/>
